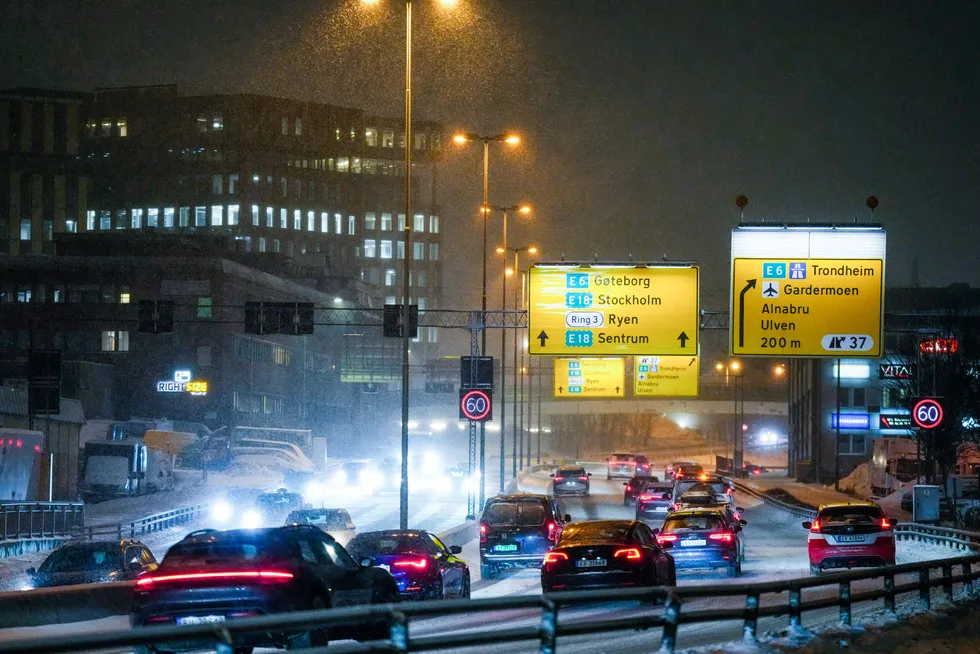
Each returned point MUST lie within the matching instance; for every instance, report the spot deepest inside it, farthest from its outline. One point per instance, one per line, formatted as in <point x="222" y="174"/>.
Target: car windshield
<point x="699" y="498"/>
<point x="642" y="459"/>
<point x="323" y="519"/>
<point x="595" y="531"/>
<point x="656" y="489"/>
<point x="524" y="514"/>
<point x="570" y="472"/>
<point x="221" y="551"/>
<point x="850" y="515"/>
<point x="85" y="558"/>
<point x="380" y="544"/>
<point x="695" y="522"/>
<point x="621" y="457"/>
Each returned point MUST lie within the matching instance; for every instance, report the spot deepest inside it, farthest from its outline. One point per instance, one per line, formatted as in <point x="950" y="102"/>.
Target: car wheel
<point x="464" y="592"/>
<point x="488" y="570"/>
<point x="734" y="571"/>
<point x="440" y="589"/>
<point x="815" y="570"/>
<point x="305" y="640"/>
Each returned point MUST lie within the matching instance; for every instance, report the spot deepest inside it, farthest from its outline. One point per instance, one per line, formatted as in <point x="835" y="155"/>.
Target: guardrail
<point x="20" y="520"/>
<point x="156" y="522"/>
<point x="802" y="512"/>
<point x="398" y="617"/>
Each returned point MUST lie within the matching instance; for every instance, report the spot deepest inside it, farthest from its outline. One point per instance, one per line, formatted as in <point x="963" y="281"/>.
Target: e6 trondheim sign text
<point x="583" y="310"/>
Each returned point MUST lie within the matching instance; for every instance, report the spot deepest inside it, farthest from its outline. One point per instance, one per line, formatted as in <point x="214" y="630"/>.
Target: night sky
<point x="642" y="120"/>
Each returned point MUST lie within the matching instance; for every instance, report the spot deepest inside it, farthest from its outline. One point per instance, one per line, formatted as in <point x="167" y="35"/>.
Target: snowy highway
<point x="775" y="549"/>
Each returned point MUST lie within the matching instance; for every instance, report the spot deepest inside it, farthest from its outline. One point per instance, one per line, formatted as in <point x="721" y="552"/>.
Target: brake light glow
<point x="555" y="557"/>
<point x="584" y="477"/>
<point x="677" y="507"/>
<point x="628" y="488"/>
<point x="728" y="491"/>
<point x="815" y="527"/>
<point x="630" y="553"/>
<point x="419" y="564"/>
<point x="666" y="538"/>
<point x="262" y="575"/>
<point x="559" y="479"/>
<point x="483" y="533"/>
<point x="551" y="530"/>
<point x="885" y="524"/>
<point x="756" y="472"/>
<point x="703" y="478"/>
<point x="724" y="537"/>
<point x="679" y="474"/>
<point x="646" y="497"/>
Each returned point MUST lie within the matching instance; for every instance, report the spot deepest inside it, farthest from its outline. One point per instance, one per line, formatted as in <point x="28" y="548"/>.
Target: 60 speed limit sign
<point x="927" y="412"/>
<point x="475" y="405"/>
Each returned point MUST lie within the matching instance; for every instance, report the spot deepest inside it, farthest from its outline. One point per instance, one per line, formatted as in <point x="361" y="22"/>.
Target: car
<point x="336" y="522"/>
<point x="643" y="465"/>
<point x="218" y="576"/>
<point x="703" y="539"/>
<point x="620" y="465"/>
<point x="570" y="479"/>
<point x="850" y="535"/>
<point x="93" y="562"/>
<point x="633" y="486"/>
<point x="698" y="496"/>
<point x="750" y="469"/>
<point x="271" y="509"/>
<point x="423" y="567"/>
<point x="688" y="470"/>
<point x="721" y="487"/>
<point x="357" y="477"/>
<point x="672" y="467"/>
<point x="607" y="554"/>
<point x="517" y="531"/>
<point x="654" y="501"/>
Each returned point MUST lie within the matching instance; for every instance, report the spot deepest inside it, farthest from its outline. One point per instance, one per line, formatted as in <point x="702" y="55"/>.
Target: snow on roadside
<point x="858" y="483"/>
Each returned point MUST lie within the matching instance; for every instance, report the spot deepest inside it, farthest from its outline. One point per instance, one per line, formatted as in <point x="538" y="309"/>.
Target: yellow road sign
<point x="582" y="378"/>
<point x="601" y="310"/>
<point x="807" y="307"/>
<point x="671" y="376"/>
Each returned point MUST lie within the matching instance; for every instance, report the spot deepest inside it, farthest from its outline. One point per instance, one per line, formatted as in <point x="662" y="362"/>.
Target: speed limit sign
<point x="927" y="412"/>
<point x="475" y="404"/>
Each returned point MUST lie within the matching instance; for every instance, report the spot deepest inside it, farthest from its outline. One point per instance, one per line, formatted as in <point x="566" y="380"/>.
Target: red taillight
<point x="20" y="443"/>
<point x="885" y="524"/>
<point x="756" y="472"/>
<point x="815" y="527"/>
<point x="666" y="538"/>
<point x="37" y="448"/>
<point x="725" y="537"/>
<point x="728" y="491"/>
<point x="678" y="474"/>
<point x="261" y="575"/>
<point x="551" y="530"/>
<point x="646" y="497"/>
<point x="555" y="557"/>
<point x="628" y="488"/>
<point x="584" y="478"/>
<point x="483" y="533"/>
<point x="737" y="516"/>
<point x="418" y="564"/>
<point x="559" y="479"/>
<point x="677" y="507"/>
<point x="630" y="553"/>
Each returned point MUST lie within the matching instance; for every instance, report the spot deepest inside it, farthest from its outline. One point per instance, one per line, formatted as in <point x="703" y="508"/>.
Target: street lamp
<point x="518" y="304"/>
<point x="462" y="139"/>
<point x="734" y="368"/>
<point x="403" y="490"/>
<point x="524" y="209"/>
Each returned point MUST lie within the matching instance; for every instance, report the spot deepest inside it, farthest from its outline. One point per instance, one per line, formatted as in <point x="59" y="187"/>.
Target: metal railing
<point x="802" y="512"/>
<point x="19" y="520"/>
<point x="156" y="522"/>
<point x="955" y="538"/>
<point x="396" y="618"/>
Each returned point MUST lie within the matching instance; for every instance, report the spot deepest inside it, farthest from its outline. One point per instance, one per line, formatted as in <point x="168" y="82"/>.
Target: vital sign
<point x="592" y="310"/>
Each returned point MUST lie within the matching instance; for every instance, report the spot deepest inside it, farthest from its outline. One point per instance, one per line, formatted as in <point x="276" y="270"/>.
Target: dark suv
<point x="213" y="576"/>
<point x="93" y="562"/>
<point x="634" y="486"/>
<point x="517" y="531"/>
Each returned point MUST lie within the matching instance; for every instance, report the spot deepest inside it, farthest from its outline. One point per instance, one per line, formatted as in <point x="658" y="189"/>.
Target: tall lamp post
<point x="403" y="489"/>
<point x="524" y="209"/>
<point x="462" y="139"/>
<point x="734" y="369"/>
<point x="518" y="453"/>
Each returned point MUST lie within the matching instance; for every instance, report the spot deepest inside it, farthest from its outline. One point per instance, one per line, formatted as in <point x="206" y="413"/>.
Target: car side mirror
<point x="588" y="474"/>
<point x="567" y="517"/>
<point x="455" y="549"/>
<point x="135" y="565"/>
<point x="552" y="475"/>
<point x="742" y="522"/>
<point x="737" y="528"/>
<point x="654" y="531"/>
<point x="807" y="524"/>
<point x="626" y="483"/>
<point x="367" y="562"/>
<point x="667" y="544"/>
<point x="31" y="571"/>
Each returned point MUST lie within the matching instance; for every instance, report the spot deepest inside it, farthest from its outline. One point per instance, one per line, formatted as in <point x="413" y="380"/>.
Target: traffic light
<point x="293" y="318"/>
<point x="156" y="316"/>
<point x="393" y="322"/>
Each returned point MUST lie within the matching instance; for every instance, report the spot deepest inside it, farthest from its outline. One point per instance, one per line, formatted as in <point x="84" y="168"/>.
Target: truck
<point x="20" y="465"/>
<point x="132" y="465"/>
<point x="894" y="463"/>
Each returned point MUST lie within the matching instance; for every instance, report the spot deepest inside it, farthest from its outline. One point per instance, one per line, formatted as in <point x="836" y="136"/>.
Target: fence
<point x="399" y="617"/>
<point x="157" y="522"/>
<point x="20" y="520"/>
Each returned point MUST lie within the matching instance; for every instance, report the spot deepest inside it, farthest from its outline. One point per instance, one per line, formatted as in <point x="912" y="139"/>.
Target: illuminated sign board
<point x="892" y="371"/>
<point x="183" y="383"/>
<point x="894" y="422"/>
<point x="939" y="346"/>
<point x="588" y="310"/>
<point x="851" y="421"/>
<point x="665" y="376"/>
<point x="581" y="378"/>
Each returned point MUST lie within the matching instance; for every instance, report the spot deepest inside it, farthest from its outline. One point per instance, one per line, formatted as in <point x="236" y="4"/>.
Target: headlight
<point x="221" y="512"/>
<point x="342" y="477"/>
<point x="251" y="519"/>
<point x="430" y="463"/>
<point x="313" y="491"/>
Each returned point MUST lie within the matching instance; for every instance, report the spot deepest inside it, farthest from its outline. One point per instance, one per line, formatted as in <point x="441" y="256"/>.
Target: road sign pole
<point x="836" y="438"/>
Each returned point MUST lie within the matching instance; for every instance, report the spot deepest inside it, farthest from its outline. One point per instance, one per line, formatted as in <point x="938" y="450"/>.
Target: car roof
<point x="393" y="532"/>
<point x="519" y="497"/>
<point x="835" y="505"/>
<point x="701" y="510"/>
<point x="570" y="466"/>
<point x="91" y="544"/>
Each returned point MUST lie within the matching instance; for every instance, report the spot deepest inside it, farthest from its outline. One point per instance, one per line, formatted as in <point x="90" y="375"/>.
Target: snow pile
<point x="858" y="483"/>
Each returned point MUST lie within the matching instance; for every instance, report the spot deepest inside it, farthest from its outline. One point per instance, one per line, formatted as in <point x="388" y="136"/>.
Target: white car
<point x="335" y="522"/>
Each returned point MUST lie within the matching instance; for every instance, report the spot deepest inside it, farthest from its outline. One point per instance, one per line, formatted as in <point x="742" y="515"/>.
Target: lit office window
<point x="270" y="217"/>
<point x="297" y="219"/>
<point x="233" y="211"/>
<point x="255" y="215"/>
<point x="217" y="215"/>
<point x="310" y="221"/>
<point x="25" y="229"/>
<point x="71" y="226"/>
<point x="324" y="222"/>
<point x="185" y="216"/>
<point x="418" y="223"/>
<point x="433" y="224"/>
<point x="390" y="277"/>
<point x="136" y="218"/>
<point x="371" y="137"/>
<point x="386" y="222"/>
<point x="121" y="127"/>
<point x="433" y="251"/>
<point x="369" y="246"/>
<point x="152" y="217"/>
<point x="351" y="220"/>
<point x="338" y="224"/>
<point x="90" y="220"/>
<point x="418" y="251"/>
<point x="200" y="216"/>
<point x="385" y="249"/>
<point x="205" y="307"/>
<point x="115" y="341"/>
<point x="168" y="218"/>
<point x="370" y="221"/>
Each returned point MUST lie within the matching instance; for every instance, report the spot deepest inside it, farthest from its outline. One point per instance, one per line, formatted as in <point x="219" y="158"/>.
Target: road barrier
<point x="19" y="520"/>
<point x="151" y="523"/>
<point x="399" y="617"/>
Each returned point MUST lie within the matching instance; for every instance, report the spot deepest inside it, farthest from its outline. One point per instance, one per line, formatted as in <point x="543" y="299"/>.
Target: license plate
<point x="850" y="539"/>
<point x="590" y="563"/>
<point x="693" y="543"/>
<point x="201" y="619"/>
<point x="660" y="509"/>
<point x="505" y="548"/>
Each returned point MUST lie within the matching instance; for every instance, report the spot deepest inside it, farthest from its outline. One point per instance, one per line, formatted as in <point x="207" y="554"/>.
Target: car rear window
<point x="698" y="522"/>
<point x="621" y="457"/>
<point x="523" y="514"/>
<point x="221" y="552"/>
<point x="571" y="472"/>
<point x="375" y="544"/>
<point x="843" y="515"/>
<point x="76" y="559"/>
<point x="594" y="531"/>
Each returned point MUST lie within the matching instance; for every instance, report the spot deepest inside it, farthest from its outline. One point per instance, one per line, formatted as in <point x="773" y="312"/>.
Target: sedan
<point x="607" y="554"/>
<point x="570" y="479"/>
<point x="423" y="567"/>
